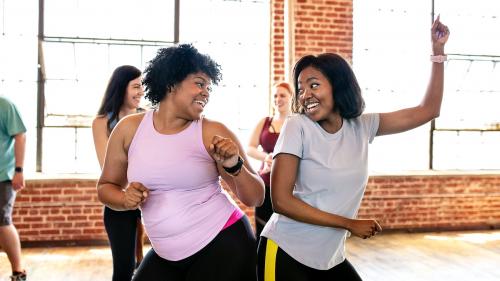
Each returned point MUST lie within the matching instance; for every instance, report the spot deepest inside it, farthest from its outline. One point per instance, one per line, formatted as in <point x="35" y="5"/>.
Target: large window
<point x="83" y="41"/>
<point x="18" y="64"/>
<point x="391" y="58"/>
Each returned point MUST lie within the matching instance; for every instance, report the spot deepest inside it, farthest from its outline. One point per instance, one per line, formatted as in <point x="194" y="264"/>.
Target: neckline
<point x="185" y="129"/>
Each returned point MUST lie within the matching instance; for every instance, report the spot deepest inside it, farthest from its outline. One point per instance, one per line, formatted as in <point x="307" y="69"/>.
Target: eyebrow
<point x="309" y="79"/>
<point x="199" y="77"/>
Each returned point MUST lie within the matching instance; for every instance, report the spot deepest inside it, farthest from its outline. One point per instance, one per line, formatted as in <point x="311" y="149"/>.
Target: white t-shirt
<point x="332" y="176"/>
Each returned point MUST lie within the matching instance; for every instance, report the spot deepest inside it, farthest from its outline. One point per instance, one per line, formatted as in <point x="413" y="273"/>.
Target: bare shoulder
<point x="100" y="121"/>
<point x="211" y="128"/>
<point x="127" y="126"/>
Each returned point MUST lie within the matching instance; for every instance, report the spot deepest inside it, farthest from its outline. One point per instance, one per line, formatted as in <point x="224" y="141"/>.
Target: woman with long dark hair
<point x="124" y="229"/>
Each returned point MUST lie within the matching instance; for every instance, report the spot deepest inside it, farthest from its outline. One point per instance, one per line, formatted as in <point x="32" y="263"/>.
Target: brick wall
<point x="68" y="210"/>
<point x="277" y="55"/>
<point x="318" y="26"/>
<point x="433" y="202"/>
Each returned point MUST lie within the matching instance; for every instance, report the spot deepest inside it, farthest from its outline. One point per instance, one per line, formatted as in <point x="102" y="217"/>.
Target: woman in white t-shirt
<point x="320" y="168"/>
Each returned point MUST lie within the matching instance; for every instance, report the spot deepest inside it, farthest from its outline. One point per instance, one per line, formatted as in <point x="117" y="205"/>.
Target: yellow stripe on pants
<point x="270" y="267"/>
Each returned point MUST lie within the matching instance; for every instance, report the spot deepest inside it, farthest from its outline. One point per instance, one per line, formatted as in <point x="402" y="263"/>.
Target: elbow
<point x="279" y="206"/>
<point x="256" y="198"/>
<point x="99" y="194"/>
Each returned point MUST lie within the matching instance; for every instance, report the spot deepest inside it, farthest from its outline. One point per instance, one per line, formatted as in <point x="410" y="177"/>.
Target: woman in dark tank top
<point x="265" y="135"/>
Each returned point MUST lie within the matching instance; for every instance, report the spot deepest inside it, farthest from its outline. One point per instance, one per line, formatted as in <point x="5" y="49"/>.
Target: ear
<point x="173" y="90"/>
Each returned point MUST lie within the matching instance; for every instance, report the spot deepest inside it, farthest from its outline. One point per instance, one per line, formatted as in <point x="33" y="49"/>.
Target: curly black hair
<point x="346" y="91"/>
<point x="172" y="65"/>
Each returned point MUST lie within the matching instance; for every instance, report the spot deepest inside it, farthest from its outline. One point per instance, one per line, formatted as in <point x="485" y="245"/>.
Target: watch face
<point x="18" y="169"/>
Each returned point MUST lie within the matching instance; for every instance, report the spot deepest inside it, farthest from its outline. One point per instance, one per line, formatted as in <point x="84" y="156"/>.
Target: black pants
<point x="288" y="269"/>
<point x="263" y="213"/>
<point x="121" y="227"/>
<point x="231" y="256"/>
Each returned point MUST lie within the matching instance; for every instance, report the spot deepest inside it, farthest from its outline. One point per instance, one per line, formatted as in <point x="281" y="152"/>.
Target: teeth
<point x="202" y="103"/>
<point x="311" y="105"/>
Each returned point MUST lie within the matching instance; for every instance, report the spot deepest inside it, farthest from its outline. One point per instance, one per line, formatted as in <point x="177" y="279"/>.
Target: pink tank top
<point x="186" y="207"/>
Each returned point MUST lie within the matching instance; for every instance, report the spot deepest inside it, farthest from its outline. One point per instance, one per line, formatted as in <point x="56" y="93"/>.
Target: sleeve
<point x="13" y="121"/>
<point x="370" y="124"/>
<point x="291" y="138"/>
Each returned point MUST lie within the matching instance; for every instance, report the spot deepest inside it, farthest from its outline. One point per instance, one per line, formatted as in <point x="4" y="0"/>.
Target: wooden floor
<point x="449" y="256"/>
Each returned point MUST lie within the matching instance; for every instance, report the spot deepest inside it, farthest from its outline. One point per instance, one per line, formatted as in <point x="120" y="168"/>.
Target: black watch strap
<point x="18" y="169"/>
<point x="235" y="168"/>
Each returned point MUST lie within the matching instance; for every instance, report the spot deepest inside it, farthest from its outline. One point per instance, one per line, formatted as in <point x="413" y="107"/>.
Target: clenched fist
<point x="224" y="151"/>
<point x="364" y="228"/>
<point x="135" y="195"/>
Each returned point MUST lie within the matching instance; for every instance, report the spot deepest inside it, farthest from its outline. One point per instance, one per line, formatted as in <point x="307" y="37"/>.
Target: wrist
<point x="236" y="168"/>
<point x="439" y="58"/>
<point x="18" y="169"/>
<point x="437" y="50"/>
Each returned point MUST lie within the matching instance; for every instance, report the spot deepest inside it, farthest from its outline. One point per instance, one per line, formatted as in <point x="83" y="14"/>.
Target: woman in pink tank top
<point x="265" y="135"/>
<point x="168" y="162"/>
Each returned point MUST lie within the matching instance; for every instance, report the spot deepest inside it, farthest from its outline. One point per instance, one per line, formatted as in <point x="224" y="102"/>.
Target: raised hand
<point x="135" y="195"/>
<point x="439" y="35"/>
<point x="364" y="228"/>
<point x="224" y="151"/>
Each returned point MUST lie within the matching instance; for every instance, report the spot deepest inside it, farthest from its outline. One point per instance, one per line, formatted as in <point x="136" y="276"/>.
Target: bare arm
<point x="254" y="142"/>
<point x="283" y="177"/>
<point x="430" y="107"/>
<point x="19" y="151"/>
<point x="247" y="185"/>
<point x="112" y="187"/>
<point x="100" y="134"/>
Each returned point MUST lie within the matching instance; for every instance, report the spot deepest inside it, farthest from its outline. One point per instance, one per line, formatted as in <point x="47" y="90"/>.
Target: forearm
<point x="112" y="196"/>
<point x="299" y="210"/>
<point x="249" y="188"/>
<point x="19" y="149"/>
<point x="256" y="154"/>
<point x="434" y="95"/>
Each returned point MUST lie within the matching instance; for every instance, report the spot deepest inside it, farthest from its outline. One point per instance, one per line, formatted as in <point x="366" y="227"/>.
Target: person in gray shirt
<point x="320" y="168"/>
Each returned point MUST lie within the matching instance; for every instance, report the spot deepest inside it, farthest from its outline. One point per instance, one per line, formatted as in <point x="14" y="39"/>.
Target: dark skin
<point x="315" y="95"/>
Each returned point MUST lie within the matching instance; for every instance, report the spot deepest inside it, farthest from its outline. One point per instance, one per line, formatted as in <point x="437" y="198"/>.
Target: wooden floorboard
<point x="449" y="256"/>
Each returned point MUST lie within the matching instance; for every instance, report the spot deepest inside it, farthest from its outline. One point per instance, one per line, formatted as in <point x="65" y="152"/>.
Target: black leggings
<point x="263" y="213"/>
<point x="231" y="256"/>
<point x="121" y="227"/>
<point x="288" y="269"/>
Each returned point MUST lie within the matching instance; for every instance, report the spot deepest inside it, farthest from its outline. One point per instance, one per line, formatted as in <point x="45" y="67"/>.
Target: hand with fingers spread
<point x="439" y="36"/>
<point x="364" y="228"/>
<point x="224" y="151"/>
<point x="135" y="195"/>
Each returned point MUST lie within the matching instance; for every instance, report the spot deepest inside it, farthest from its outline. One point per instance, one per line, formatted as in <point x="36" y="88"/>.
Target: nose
<point x="306" y="94"/>
<point x="205" y="93"/>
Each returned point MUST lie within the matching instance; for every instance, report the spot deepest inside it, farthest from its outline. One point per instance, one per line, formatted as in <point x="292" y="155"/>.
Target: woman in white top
<point x="320" y="168"/>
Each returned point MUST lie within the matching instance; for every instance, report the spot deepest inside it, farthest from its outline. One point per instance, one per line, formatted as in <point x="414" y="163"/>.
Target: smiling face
<point x="135" y="92"/>
<point x="315" y="94"/>
<point x="282" y="98"/>
<point x="192" y="94"/>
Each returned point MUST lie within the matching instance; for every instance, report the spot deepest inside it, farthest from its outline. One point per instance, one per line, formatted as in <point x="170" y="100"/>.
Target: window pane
<point x="240" y="44"/>
<point x="18" y="66"/>
<point x="472" y="26"/>
<point x="383" y="56"/>
<point x="59" y="150"/>
<point x="19" y="18"/>
<point x="466" y="150"/>
<point x="118" y="19"/>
